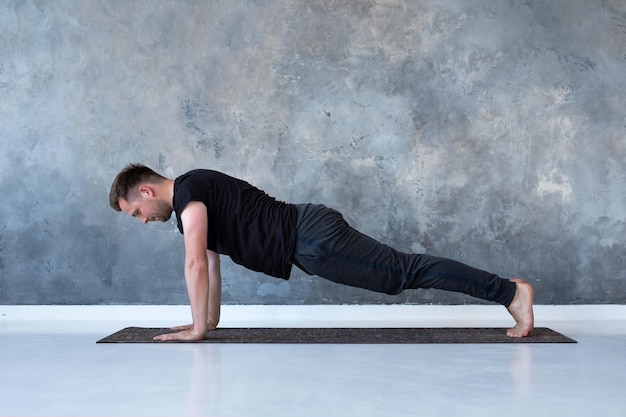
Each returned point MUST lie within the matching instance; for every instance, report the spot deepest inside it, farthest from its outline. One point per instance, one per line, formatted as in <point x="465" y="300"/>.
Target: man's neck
<point x="164" y="190"/>
<point x="168" y="190"/>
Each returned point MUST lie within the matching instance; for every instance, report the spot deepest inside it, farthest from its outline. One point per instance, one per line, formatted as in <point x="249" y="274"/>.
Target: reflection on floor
<point x="58" y="370"/>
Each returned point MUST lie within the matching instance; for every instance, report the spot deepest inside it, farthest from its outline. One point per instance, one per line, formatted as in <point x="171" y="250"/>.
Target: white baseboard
<point x="308" y="313"/>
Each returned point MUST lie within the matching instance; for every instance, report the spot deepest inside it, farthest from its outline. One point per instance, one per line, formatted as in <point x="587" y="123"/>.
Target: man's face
<point x="147" y="209"/>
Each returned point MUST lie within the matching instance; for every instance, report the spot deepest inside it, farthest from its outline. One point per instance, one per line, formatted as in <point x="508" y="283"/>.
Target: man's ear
<point x="146" y="191"/>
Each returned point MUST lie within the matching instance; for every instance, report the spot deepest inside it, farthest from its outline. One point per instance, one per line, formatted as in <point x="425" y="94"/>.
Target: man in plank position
<point x="218" y="214"/>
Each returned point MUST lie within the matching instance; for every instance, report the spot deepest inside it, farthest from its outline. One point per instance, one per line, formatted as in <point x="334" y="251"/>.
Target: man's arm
<point x="197" y="279"/>
<point x="215" y="293"/>
<point x="215" y="289"/>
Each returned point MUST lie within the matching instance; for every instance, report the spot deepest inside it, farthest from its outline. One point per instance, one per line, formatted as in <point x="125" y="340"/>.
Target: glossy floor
<point x="59" y="372"/>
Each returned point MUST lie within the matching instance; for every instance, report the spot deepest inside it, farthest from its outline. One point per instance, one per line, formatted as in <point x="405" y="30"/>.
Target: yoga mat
<point x="345" y="335"/>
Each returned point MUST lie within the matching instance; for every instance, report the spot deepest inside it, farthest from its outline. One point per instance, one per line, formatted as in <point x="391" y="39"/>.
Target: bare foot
<point x="521" y="309"/>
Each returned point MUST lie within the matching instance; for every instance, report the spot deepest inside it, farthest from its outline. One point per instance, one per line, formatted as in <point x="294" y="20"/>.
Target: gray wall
<point x="488" y="131"/>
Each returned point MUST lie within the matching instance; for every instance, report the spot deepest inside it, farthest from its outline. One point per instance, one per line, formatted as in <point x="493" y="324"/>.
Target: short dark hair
<point x="128" y="178"/>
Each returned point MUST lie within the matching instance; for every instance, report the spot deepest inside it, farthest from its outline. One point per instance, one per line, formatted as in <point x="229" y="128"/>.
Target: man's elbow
<point x="196" y="266"/>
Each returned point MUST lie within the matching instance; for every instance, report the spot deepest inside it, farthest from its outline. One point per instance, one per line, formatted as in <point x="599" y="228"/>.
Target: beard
<point x="161" y="211"/>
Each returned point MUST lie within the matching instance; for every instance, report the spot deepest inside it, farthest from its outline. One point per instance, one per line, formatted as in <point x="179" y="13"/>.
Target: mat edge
<point x="530" y="340"/>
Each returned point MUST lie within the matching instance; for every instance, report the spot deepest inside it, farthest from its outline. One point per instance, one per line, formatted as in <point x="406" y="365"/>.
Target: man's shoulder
<point x="199" y="173"/>
<point x="190" y="186"/>
<point x="199" y="176"/>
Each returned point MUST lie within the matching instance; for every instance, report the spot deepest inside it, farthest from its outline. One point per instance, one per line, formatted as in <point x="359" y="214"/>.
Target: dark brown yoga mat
<point x="346" y="335"/>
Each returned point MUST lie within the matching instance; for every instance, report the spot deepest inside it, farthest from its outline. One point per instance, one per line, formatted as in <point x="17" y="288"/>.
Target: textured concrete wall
<point x="487" y="131"/>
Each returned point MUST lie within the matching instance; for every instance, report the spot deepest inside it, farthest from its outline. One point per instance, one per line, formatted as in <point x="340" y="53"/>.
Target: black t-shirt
<point x="245" y="223"/>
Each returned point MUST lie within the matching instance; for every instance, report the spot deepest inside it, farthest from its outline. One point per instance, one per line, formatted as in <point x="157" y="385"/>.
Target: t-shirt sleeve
<point x="188" y="189"/>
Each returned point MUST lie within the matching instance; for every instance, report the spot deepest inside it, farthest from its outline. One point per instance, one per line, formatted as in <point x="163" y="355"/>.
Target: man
<point x="218" y="214"/>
